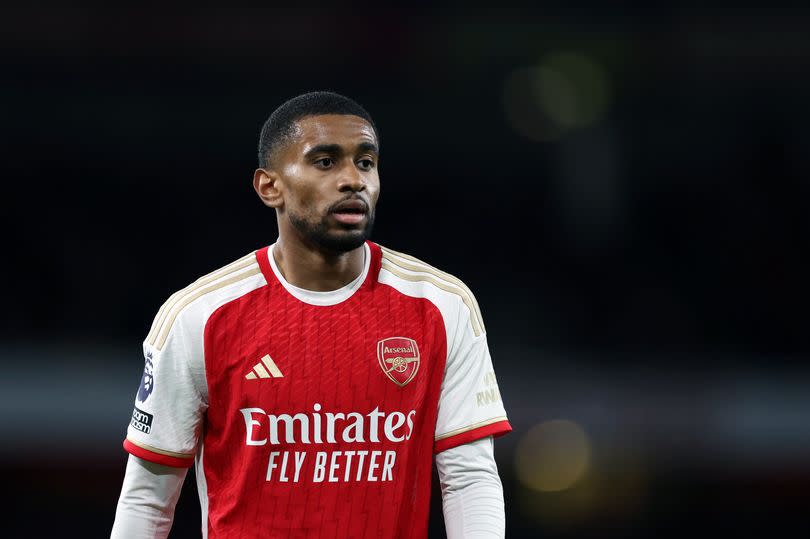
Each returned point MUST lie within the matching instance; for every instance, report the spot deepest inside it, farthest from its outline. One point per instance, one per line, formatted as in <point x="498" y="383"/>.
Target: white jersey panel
<point x="469" y="397"/>
<point x="173" y="395"/>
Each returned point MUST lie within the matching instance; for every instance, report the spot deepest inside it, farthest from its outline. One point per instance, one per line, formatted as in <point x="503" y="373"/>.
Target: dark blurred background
<point x="626" y="188"/>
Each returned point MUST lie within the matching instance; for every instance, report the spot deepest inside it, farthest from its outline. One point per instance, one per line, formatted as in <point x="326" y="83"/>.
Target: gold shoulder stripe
<point x="172" y="313"/>
<point x="427" y="268"/>
<point x="236" y="265"/>
<point x="160" y="451"/>
<point x="205" y="279"/>
<point x="470" y="427"/>
<point x="478" y="328"/>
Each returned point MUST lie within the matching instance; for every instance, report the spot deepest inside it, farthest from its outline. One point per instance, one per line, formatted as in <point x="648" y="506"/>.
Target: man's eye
<point x="325" y="162"/>
<point x="366" y="164"/>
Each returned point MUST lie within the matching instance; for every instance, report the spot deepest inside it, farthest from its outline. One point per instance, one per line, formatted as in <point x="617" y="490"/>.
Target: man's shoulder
<point x="410" y="262"/>
<point x="412" y="276"/>
<point x="230" y="273"/>
<point x="196" y="300"/>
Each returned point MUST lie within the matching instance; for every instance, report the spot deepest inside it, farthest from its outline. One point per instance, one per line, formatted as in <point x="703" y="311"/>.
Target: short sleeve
<point x="171" y="401"/>
<point x="470" y="405"/>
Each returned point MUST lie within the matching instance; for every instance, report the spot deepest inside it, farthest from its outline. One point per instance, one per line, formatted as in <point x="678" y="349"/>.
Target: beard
<point x="317" y="232"/>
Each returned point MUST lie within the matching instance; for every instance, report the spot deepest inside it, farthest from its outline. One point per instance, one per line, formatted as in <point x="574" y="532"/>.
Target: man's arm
<point x="472" y="495"/>
<point x="148" y="498"/>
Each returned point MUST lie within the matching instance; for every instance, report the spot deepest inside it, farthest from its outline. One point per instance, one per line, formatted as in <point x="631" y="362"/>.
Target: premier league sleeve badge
<point x="147" y="380"/>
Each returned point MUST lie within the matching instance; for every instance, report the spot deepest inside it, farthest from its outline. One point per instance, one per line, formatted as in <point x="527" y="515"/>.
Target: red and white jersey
<point x="315" y="414"/>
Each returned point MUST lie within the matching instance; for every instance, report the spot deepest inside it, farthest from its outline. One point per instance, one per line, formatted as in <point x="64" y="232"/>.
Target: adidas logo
<point x="266" y="368"/>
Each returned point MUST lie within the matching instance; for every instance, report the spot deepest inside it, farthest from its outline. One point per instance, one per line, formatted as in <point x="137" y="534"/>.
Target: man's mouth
<point x="350" y="212"/>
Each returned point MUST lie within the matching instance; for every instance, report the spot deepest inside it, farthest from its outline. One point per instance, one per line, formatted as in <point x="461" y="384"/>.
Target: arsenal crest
<point x="399" y="359"/>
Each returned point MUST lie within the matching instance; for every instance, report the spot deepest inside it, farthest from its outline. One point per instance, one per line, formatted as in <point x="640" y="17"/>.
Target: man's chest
<point x="287" y="355"/>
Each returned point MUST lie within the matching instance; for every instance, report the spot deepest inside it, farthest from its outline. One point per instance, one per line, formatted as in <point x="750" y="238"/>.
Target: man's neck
<point x="311" y="269"/>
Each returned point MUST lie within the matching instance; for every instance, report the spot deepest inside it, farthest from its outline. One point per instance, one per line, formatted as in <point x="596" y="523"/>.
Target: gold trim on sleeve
<point x="471" y="427"/>
<point x="160" y="451"/>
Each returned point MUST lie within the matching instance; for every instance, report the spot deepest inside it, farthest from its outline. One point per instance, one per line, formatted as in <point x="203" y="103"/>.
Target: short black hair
<point x="280" y="126"/>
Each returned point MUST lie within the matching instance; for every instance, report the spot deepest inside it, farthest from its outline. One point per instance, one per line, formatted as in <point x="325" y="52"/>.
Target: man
<point x="310" y="382"/>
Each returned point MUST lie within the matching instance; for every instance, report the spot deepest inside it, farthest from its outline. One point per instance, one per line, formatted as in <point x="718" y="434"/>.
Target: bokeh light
<point x="553" y="456"/>
<point x="565" y="91"/>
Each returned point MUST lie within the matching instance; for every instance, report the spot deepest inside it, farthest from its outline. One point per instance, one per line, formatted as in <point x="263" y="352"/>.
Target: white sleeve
<point x="172" y="398"/>
<point x="470" y="405"/>
<point x="148" y="497"/>
<point x="472" y="495"/>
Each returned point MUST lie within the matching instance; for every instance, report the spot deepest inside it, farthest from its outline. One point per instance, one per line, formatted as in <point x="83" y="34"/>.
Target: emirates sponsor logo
<point x="327" y="427"/>
<point x="362" y="465"/>
<point x="399" y="359"/>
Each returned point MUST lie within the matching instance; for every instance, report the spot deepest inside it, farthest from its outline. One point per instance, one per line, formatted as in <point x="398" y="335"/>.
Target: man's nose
<point x="351" y="179"/>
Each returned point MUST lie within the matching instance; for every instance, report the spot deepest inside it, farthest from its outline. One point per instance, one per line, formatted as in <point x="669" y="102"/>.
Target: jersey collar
<point x="331" y="297"/>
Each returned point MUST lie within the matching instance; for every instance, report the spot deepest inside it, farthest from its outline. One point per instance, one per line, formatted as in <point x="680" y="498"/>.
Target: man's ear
<point x="268" y="186"/>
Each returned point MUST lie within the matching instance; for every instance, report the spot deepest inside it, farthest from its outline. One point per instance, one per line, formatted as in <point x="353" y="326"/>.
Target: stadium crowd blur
<point x="627" y="193"/>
